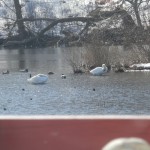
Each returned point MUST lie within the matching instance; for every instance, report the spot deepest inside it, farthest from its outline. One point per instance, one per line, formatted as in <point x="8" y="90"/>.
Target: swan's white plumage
<point x="38" y="79"/>
<point x="127" y="144"/>
<point x="99" y="70"/>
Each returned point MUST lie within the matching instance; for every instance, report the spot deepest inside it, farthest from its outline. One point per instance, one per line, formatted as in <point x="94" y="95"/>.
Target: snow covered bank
<point x="144" y="65"/>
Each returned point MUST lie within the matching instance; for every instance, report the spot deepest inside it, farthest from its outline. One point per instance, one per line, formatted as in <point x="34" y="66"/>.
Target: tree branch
<point x="85" y="28"/>
<point x="82" y="19"/>
<point x="36" y="19"/>
<point x="8" y="6"/>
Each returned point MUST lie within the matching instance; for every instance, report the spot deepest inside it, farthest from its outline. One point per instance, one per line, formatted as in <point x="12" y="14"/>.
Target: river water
<point x="82" y="94"/>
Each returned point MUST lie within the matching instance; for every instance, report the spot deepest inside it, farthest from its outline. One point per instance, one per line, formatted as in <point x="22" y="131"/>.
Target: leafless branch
<point x="8" y="6"/>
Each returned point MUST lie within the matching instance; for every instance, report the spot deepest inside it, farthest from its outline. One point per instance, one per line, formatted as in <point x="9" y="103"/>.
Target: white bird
<point x="38" y="79"/>
<point x="132" y="143"/>
<point x="99" y="70"/>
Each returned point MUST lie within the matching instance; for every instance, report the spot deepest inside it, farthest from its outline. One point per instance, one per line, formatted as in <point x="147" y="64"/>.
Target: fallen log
<point x="18" y="43"/>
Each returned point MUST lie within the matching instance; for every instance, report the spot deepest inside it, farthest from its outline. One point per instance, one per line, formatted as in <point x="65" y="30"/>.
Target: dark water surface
<point x="120" y="94"/>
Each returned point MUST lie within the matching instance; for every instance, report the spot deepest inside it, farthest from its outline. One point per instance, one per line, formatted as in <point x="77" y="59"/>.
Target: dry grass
<point x="95" y="55"/>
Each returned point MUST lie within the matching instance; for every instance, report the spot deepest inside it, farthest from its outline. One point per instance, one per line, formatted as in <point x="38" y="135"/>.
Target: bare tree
<point x="52" y="23"/>
<point x="21" y="27"/>
<point x="135" y="5"/>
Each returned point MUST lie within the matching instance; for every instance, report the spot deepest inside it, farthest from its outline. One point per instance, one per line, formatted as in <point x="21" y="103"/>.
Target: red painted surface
<point x="68" y="134"/>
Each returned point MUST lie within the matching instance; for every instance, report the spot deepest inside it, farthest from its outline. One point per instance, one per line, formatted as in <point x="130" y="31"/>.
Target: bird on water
<point x="98" y="71"/>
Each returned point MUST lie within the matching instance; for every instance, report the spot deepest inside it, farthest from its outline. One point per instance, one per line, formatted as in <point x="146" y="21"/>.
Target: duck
<point x="24" y="70"/>
<point x="5" y="72"/>
<point x="38" y="79"/>
<point x="63" y="76"/>
<point x="50" y="73"/>
<point x="130" y="143"/>
<point x="99" y="70"/>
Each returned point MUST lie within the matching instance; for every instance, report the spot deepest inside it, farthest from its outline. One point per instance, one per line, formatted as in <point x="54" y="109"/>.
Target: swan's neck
<point x="104" y="67"/>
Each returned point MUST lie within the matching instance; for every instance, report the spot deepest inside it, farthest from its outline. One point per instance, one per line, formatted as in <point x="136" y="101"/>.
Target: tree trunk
<point x="21" y="28"/>
<point x="135" y="7"/>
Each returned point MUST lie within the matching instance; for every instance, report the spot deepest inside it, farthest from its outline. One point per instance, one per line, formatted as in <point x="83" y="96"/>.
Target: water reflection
<point x="41" y="59"/>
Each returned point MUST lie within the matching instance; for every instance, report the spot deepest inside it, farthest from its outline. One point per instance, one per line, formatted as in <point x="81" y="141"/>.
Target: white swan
<point x="38" y="79"/>
<point x="99" y="70"/>
<point x="132" y="143"/>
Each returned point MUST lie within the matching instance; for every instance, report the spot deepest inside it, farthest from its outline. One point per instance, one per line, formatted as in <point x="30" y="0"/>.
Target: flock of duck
<point x="42" y="78"/>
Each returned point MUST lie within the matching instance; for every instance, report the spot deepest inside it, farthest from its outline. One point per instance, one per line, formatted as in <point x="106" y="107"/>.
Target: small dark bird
<point x="23" y="89"/>
<point x="50" y="73"/>
<point x="24" y="70"/>
<point x="30" y="75"/>
<point x="63" y="1"/>
<point x="5" y="72"/>
<point x="5" y="109"/>
<point x="93" y="89"/>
